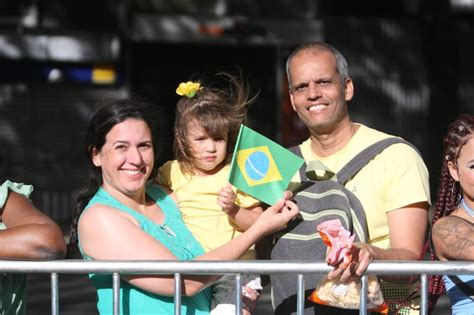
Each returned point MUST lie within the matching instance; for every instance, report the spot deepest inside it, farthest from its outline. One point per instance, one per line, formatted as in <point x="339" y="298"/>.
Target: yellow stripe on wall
<point x="103" y="75"/>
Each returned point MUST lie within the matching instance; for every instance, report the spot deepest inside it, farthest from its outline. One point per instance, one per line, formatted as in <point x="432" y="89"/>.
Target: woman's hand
<point x="277" y="216"/>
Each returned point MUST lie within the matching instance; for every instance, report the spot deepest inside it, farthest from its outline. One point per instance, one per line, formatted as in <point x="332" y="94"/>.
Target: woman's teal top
<point x="175" y="236"/>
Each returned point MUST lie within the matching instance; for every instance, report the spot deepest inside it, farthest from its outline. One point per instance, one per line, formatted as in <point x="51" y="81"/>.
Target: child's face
<point x="207" y="153"/>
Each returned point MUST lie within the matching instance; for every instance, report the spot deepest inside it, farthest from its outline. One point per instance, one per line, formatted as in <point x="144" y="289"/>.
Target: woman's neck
<point x="140" y="203"/>
<point x="468" y="206"/>
<point x="136" y="201"/>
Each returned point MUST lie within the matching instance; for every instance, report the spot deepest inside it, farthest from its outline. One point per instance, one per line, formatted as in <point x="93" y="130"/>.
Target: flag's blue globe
<point x="257" y="165"/>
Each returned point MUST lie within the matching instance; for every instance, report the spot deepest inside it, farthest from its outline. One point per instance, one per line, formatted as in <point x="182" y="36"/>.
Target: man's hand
<point x="362" y="255"/>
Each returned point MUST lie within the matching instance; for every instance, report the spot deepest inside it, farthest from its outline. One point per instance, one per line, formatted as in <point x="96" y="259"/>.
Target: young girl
<point x="206" y="127"/>
<point x="453" y="220"/>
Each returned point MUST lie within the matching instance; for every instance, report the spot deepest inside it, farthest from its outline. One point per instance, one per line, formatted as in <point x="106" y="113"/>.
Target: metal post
<point x="177" y="294"/>
<point x="116" y="293"/>
<point x="424" y="295"/>
<point x="300" y="295"/>
<point x="238" y="294"/>
<point x="54" y="294"/>
<point x="363" y="295"/>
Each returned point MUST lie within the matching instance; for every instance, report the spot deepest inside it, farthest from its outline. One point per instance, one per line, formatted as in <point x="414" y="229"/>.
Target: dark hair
<point x="342" y="66"/>
<point x="449" y="192"/>
<point x="103" y="121"/>
<point x="219" y="112"/>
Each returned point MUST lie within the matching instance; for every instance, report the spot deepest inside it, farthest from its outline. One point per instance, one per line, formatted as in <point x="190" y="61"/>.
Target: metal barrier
<point x="178" y="268"/>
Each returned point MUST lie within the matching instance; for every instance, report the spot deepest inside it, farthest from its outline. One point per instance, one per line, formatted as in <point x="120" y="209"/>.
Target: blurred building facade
<point x="60" y="61"/>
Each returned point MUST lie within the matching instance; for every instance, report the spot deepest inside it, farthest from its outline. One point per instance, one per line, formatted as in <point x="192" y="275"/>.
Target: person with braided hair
<point x="452" y="234"/>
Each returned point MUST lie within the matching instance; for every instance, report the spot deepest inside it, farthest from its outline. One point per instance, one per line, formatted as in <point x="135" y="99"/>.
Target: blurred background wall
<point x="411" y="62"/>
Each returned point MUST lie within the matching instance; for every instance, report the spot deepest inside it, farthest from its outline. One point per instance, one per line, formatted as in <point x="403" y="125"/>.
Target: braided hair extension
<point x="102" y="122"/>
<point x="449" y="192"/>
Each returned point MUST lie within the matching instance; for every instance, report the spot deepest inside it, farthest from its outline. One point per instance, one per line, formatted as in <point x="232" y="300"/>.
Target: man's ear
<point x="291" y="99"/>
<point x="96" y="158"/>
<point x="453" y="171"/>
<point x="349" y="89"/>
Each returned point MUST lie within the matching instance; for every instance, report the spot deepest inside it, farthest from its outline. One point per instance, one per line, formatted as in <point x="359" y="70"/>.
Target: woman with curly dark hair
<point x="453" y="221"/>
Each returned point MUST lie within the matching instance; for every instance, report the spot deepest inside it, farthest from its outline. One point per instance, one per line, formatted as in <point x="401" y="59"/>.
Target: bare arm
<point x="30" y="234"/>
<point x="453" y="239"/>
<point x="407" y="228"/>
<point x="98" y="235"/>
<point x="244" y="218"/>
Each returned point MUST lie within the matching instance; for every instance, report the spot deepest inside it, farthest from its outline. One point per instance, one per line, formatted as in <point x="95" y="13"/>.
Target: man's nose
<point x="313" y="91"/>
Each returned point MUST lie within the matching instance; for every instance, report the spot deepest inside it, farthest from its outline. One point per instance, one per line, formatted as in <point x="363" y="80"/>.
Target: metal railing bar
<point x="299" y="268"/>
<point x="238" y="294"/>
<point x="116" y="293"/>
<point x="177" y="294"/>
<point x="300" y="296"/>
<point x="54" y="294"/>
<point x="424" y="295"/>
<point x="363" y="295"/>
<point x="221" y="267"/>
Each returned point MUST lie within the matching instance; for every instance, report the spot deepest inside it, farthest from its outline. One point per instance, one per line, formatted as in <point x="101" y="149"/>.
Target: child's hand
<point x="249" y="299"/>
<point x="226" y="200"/>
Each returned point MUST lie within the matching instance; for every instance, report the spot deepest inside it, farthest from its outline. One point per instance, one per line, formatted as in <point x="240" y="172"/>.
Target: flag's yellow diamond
<point x="257" y="166"/>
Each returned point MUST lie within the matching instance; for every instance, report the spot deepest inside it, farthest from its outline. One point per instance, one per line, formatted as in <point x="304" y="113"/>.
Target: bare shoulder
<point x="19" y="210"/>
<point x="453" y="238"/>
<point x="102" y="227"/>
<point x="17" y="201"/>
<point x="101" y="216"/>
<point x="452" y="224"/>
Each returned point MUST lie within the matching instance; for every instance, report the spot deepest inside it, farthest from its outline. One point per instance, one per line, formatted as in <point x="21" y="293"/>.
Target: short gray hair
<point x="341" y="64"/>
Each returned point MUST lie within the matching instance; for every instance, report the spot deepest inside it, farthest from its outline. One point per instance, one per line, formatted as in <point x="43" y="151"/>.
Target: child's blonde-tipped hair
<point x="219" y="112"/>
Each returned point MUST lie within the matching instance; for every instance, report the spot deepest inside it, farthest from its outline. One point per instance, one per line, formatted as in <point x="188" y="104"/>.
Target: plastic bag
<point x="338" y="294"/>
<point x="347" y="295"/>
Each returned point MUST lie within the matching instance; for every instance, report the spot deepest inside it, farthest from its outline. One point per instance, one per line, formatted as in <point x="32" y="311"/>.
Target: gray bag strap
<point x="302" y="171"/>
<point x="358" y="162"/>
<point x="365" y="156"/>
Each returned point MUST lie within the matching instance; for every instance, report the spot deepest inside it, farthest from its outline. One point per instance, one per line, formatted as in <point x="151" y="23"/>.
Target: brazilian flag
<point x="260" y="167"/>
